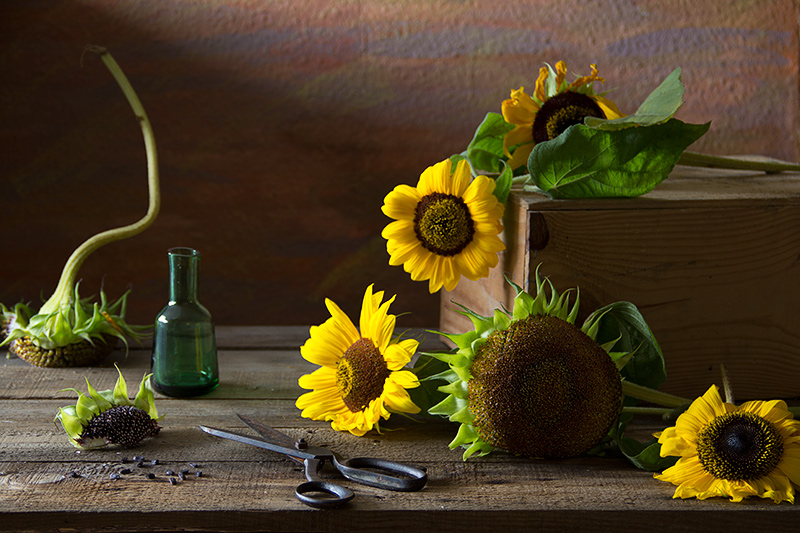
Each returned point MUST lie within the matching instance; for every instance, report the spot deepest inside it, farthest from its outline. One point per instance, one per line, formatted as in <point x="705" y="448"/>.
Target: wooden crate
<point x="711" y="258"/>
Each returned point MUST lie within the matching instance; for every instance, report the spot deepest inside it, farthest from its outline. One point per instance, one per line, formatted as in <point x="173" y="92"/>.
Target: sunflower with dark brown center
<point x="361" y="377"/>
<point x="733" y="452"/>
<point x="446" y="227"/>
<point x="531" y="383"/>
<point x="554" y="106"/>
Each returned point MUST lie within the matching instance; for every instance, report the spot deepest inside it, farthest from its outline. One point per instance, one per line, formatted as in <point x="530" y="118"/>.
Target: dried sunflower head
<point x="531" y="382"/>
<point x="109" y="417"/>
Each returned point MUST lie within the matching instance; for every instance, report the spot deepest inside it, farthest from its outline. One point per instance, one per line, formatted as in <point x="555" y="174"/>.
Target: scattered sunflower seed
<point x="182" y="476"/>
<point x="199" y="473"/>
<point x="114" y="476"/>
<point x="138" y="458"/>
<point x="125" y="471"/>
<point x="140" y="464"/>
<point x="172" y="481"/>
<point x="154" y="462"/>
<point x="194" y="465"/>
<point x="74" y="475"/>
<point x="170" y="473"/>
<point x="151" y="475"/>
<point x="124" y="460"/>
<point x="185" y="471"/>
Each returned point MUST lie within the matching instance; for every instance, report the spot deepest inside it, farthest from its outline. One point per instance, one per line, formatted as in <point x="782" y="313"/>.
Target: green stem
<point x="694" y="159"/>
<point x="636" y="410"/>
<point x="652" y="396"/>
<point x="64" y="290"/>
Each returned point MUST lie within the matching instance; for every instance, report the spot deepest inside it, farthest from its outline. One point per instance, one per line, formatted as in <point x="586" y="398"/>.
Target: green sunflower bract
<point x="531" y="382"/>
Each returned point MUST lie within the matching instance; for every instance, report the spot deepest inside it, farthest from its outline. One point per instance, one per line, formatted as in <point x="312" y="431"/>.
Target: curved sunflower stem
<point x="694" y="159"/>
<point x="652" y="396"/>
<point x="65" y="288"/>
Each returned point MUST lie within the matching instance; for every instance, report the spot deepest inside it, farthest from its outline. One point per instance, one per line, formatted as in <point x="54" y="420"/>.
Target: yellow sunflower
<point x="735" y="452"/>
<point x="554" y="106"/>
<point x="445" y="227"/>
<point x="360" y="378"/>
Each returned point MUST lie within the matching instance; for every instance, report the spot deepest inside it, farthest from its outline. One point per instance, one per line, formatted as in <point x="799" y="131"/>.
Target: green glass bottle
<point x="184" y="360"/>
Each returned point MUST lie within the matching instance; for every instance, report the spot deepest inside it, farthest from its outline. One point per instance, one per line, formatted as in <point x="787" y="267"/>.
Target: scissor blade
<point x="256" y="441"/>
<point x="272" y="435"/>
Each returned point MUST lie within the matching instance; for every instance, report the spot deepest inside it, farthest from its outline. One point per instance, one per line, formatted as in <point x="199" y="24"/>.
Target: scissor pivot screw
<point x="301" y="444"/>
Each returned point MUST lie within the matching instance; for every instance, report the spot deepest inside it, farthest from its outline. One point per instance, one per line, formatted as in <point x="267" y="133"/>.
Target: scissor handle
<point x="317" y="492"/>
<point x="309" y="494"/>
<point x="378" y="475"/>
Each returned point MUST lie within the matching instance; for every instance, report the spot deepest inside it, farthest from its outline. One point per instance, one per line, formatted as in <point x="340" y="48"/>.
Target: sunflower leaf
<point x="658" y="107"/>
<point x="503" y="183"/>
<point x="588" y="163"/>
<point x="645" y="455"/>
<point x="624" y="322"/>
<point x="486" y="148"/>
<point x="427" y="369"/>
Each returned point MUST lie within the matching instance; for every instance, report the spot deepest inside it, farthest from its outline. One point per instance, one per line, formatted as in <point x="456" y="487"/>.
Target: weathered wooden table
<point x="247" y="489"/>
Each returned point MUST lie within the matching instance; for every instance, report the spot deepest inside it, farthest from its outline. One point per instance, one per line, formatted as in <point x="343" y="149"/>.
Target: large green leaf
<point x="658" y="107"/>
<point x="486" y="148"/>
<point x="588" y="163"/>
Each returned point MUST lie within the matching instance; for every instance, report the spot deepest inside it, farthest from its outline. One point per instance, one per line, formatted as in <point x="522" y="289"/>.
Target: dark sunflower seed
<point x="184" y="472"/>
<point x="194" y="465"/>
<point x="154" y="462"/>
<point x="140" y="464"/>
<point x="125" y="471"/>
<point x="172" y="481"/>
<point x="74" y="474"/>
<point x="151" y="475"/>
<point x="182" y="476"/>
<point x="124" y="460"/>
<point x="170" y="473"/>
<point x="138" y="458"/>
<point x="114" y="476"/>
<point x="199" y="473"/>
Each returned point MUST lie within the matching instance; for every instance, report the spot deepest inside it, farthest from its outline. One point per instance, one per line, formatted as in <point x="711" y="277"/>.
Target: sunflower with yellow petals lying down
<point x="554" y="106"/>
<point x="733" y="452"/>
<point x="445" y="227"/>
<point x="361" y="377"/>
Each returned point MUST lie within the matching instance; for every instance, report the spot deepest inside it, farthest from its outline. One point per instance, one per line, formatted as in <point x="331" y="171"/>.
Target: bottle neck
<point x="184" y="265"/>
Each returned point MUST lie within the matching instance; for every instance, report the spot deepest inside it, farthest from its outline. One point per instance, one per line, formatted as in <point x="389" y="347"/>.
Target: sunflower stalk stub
<point x="64" y="319"/>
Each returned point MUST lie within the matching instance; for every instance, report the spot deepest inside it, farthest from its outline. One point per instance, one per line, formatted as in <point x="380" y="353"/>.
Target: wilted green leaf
<point x="589" y="163"/>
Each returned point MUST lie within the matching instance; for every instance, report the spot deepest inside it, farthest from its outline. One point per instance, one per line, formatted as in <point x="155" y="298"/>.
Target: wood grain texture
<point x="244" y="489"/>
<point x="710" y="260"/>
<point x="281" y="126"/>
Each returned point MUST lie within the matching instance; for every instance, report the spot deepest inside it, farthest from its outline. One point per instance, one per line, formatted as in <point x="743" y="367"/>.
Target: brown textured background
<point x="281" y="125"/>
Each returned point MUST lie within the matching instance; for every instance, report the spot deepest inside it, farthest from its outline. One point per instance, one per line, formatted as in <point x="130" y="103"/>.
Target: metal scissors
<point x="318" y="492"/>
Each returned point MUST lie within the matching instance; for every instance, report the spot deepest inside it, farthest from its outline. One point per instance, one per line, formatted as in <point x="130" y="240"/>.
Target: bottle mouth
<point x="183" y="251"/>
